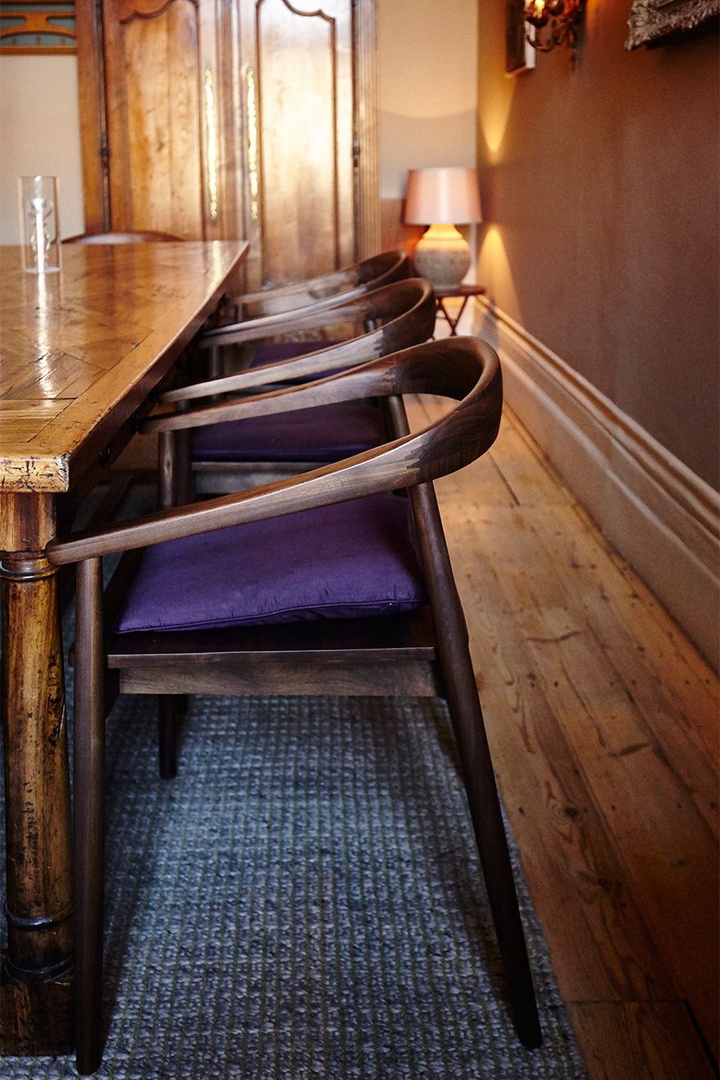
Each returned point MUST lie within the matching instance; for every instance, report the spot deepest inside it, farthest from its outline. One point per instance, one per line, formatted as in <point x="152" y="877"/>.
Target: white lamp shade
<point x="442" y="196"/>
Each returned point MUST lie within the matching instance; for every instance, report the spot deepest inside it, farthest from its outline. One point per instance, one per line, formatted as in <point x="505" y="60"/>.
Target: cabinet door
<point x="218" y="119"/>
<point x="297" y="62"/>
<point x="152" y="105"/>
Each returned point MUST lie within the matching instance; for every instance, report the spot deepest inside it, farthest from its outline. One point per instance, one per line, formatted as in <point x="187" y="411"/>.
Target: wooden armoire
<point x="222" y="119"/>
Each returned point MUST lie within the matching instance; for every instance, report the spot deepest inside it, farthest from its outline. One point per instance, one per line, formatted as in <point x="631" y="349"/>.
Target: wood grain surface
<point x="82" y="349"/>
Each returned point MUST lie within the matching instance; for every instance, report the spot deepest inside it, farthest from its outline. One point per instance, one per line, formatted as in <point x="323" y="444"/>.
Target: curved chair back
<point x="389" y="318"/>
<point x="352" y="280"/>
<point x="223" y="455"/>
<point x="464" y="369"/>
<point x="120" y="238"/>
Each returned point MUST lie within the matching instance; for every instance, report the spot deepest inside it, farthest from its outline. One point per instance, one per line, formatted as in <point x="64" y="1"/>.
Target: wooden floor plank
<point x="577" y="878"/>
<point x="629" y="1041"/>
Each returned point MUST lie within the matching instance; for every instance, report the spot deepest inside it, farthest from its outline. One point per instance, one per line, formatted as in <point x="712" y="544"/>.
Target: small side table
<point x="463" y="292"/>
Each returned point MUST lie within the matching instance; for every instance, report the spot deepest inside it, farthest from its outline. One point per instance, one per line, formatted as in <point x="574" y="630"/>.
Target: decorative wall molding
<point x="657" y="513"/>
<point x="37" y="26"/>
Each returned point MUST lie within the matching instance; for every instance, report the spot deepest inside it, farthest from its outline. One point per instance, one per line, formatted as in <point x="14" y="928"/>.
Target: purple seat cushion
<point x="274" y="353"/>
<point x="336" y="562"/>
<point x="328" y="433"/>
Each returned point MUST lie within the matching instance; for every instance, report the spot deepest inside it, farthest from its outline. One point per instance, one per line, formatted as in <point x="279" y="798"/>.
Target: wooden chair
<point x="119" y="238"/>
<point x="372" y="566"/>
<point x="223" y="452"/>
<point x="354" y="280"/>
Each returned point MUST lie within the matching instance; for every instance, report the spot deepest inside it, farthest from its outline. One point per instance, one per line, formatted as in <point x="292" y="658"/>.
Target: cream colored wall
<point x="427" y="60"/>
<point x="601" y="194"/>
<point x="427" y="98"/>
<point x="39" y="134"/>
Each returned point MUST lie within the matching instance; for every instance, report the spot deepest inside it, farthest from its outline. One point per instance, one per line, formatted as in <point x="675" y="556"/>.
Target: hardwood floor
<point x="603" y="721"/>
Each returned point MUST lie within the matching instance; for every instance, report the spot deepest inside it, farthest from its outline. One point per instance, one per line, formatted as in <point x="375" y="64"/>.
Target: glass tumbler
<point x="40" y="224"/>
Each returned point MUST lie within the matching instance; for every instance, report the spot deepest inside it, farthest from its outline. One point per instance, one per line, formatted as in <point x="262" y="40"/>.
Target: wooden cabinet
<point x="222" y="119"/>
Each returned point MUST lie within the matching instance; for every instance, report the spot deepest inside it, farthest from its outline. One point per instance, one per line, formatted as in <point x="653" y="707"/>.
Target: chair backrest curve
<point x="395" y="267"/>
<point x="404" y="309"/>
<point x="353" y="280"/>
<point x="465" y="369"/>
<point x="120" y="238"/>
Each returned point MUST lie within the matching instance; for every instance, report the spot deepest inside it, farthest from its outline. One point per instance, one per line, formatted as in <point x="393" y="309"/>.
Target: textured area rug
<point x="303" y="901"/>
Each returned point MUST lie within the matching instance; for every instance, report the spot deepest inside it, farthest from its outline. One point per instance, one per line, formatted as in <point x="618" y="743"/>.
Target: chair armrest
<point x="406" y="314"/>
<point x="327" y="312"/>
<point x="464" y="369"/>
<point x="335" y="358"/>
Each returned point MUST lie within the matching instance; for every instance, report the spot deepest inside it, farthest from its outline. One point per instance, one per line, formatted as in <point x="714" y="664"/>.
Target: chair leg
<point x="476" y="763"/>
<point x="170" y="706"/>
<point x="482" y="795"/>
<point x="88" y="818"/>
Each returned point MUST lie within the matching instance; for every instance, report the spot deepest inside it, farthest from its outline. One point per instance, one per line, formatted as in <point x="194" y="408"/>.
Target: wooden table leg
<point x="35" y="983"/>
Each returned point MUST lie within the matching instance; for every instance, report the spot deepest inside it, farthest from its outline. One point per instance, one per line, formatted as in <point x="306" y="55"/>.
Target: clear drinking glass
<point x="39" y="224"/>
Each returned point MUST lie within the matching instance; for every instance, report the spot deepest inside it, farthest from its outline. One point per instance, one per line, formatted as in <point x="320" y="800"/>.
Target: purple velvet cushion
<point x="328" y="433"/>
<point x="337" y="562"/>
<point x="274" y="353"/>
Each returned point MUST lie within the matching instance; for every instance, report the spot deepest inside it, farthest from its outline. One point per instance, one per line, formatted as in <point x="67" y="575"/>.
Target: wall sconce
<point x="442" y="198"/>
<point x="554" y="22"/>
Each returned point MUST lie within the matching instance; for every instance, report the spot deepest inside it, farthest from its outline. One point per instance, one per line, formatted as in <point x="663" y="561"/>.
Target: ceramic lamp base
<point x="442" y="256"/>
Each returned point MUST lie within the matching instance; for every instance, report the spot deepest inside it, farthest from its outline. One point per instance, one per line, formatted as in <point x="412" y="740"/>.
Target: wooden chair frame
<point x="350" y="281"/>
<point x="396" y="316"/>
<point x="121" y="238"/>
<point x="463" y="369"/>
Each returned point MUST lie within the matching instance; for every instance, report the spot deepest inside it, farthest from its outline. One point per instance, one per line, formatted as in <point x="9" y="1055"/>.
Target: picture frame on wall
<point x="519" y="53"/>
<point x="654" y="22"/>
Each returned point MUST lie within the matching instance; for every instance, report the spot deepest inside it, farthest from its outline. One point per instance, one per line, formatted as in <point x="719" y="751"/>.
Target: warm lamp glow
<point x="442" y="198"/>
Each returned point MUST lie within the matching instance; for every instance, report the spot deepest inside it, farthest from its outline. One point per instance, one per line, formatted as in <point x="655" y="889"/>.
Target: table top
<point x="80" y="350"/>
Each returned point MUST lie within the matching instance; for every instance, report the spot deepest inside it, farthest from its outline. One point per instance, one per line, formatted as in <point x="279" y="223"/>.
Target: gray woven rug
<point x="303" y="901"/>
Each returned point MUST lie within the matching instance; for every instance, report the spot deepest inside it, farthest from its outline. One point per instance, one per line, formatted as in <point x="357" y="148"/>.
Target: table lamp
<point x="442" y="198"/>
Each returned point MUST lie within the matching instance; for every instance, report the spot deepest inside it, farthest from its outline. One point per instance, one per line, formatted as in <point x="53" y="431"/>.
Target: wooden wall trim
<point x="655" y="511"/>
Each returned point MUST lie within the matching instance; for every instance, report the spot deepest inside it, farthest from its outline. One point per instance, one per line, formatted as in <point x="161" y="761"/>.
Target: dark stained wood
<point x="464" y="369"/>
<point x="352" y="280"/>
<point x="88" y="810"/>
<point x="460" y="368"/>
<point x="399" y="315"/>
<point x="391" y="656"/>
<point x="385" y="319"/>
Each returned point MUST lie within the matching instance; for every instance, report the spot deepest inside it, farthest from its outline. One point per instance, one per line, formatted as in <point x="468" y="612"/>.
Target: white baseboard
<point x="655" y="511"/>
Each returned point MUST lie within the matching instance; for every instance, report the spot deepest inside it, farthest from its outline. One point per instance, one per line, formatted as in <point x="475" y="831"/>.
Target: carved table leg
<point x="35" y="984"/>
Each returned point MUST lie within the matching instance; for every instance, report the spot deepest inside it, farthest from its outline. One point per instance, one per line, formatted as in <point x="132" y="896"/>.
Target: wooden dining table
<point x="81" y="352"/>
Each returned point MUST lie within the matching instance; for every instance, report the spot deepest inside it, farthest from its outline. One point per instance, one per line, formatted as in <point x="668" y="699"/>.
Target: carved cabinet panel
<point x="234" y="118"/>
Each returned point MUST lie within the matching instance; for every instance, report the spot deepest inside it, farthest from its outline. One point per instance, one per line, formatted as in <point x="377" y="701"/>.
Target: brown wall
<point x="601" y="195"/>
